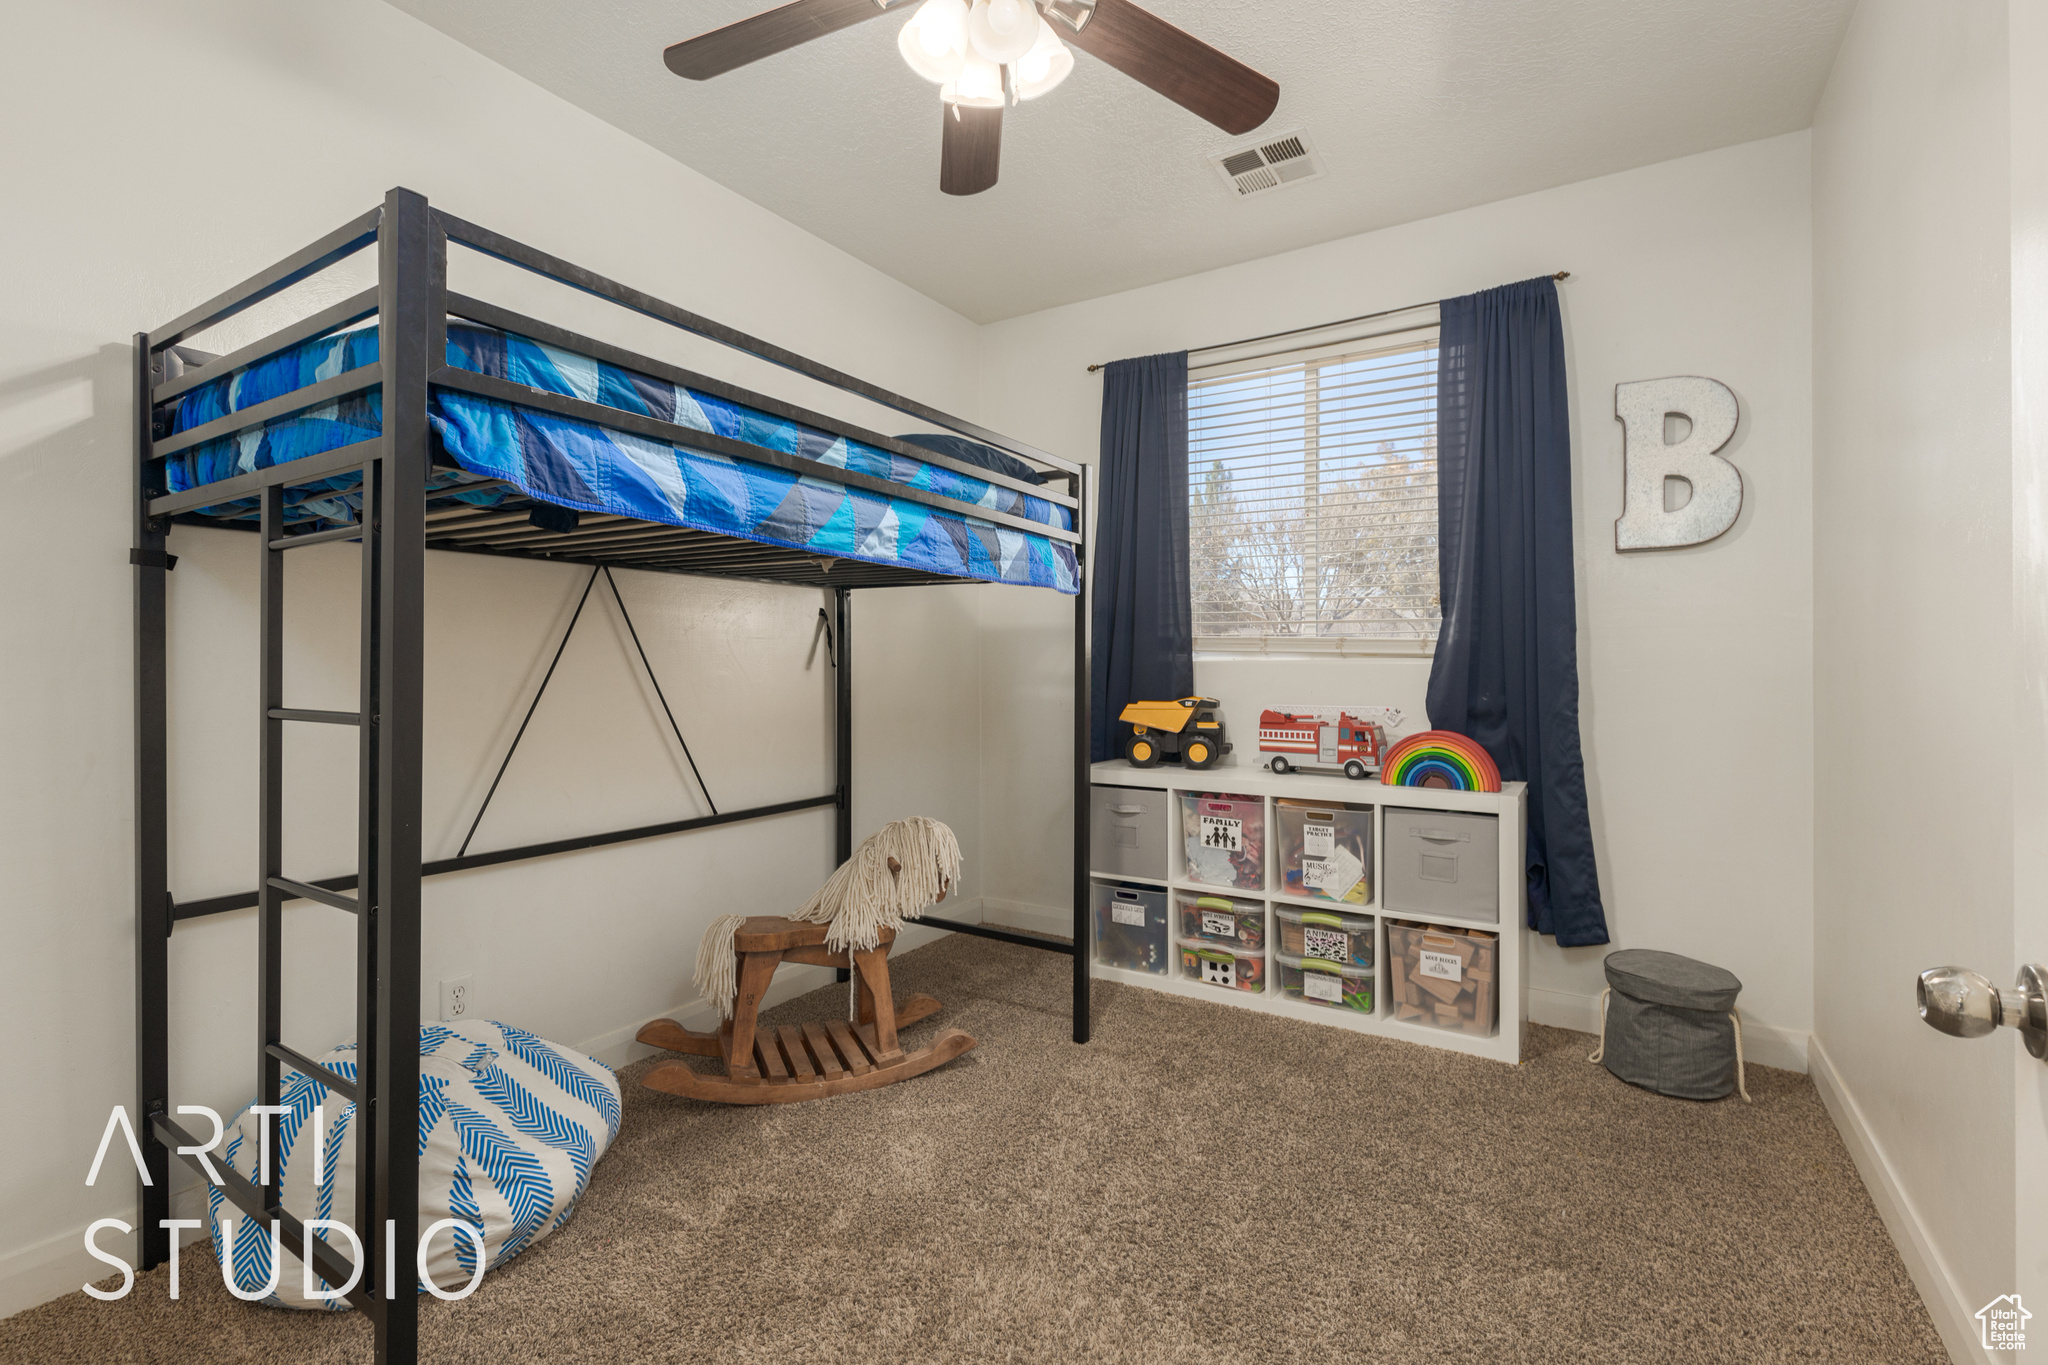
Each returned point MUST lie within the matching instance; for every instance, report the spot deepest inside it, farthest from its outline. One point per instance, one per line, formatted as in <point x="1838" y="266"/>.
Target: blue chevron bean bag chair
<point x="510" y="1126"/>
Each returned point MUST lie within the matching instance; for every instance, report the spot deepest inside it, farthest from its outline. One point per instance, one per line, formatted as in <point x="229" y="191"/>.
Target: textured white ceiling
<point x="1418" y="107"/>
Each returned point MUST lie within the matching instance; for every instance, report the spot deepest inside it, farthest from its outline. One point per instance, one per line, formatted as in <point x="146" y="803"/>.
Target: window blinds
<point x="1312" y="497"/>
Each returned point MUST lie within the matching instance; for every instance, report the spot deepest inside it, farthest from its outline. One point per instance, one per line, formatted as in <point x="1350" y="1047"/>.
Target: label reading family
<point x="1127" y="912"/>
<point x="1446" y="966"/>
<point x="1322" y="986"/>
<point x="1223" y="831"/>
<point x="1219" y="924"/>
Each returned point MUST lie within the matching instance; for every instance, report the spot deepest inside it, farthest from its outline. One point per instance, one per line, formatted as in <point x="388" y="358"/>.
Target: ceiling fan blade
<point x="764" y="35"/>
<point x="972" y="147"/>
<point x="1179" y="66"/>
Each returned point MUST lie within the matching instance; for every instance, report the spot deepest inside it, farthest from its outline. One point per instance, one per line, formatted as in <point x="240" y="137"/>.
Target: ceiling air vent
<point x="1286" y="160"/>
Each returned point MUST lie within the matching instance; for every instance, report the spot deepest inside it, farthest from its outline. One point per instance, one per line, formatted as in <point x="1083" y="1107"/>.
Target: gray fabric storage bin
<point x="1669" y="1025"/>
<point x="1441" y="862"/>
<point x="1127" y="832"/>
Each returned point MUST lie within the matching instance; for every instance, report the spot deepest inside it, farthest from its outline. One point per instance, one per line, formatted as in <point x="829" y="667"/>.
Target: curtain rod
<point x="1319" y="327"/>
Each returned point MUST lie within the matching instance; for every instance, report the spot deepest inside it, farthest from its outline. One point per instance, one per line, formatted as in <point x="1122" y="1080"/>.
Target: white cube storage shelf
<point x="1507" y="806"/>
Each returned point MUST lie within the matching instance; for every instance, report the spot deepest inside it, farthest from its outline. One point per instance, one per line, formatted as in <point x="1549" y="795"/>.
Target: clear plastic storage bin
<point x="1328" y="934"/>
<point x="1221" y="919"/>
<point x="1326" y="983"/>
<point x="1326" y="851"/>
<point x="1217" y="965"/>
<point x="1443" y="977"/>
<point x="1131" y="928"/>
<point x="1225" y="840"/>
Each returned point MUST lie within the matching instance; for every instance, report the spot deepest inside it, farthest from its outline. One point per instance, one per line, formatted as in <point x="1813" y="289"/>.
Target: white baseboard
<point x="1762" y="1043"/>
<point x="60" y="1265"/>
<point x="1036" y="919"/>
<point x="1953" y="1317"/>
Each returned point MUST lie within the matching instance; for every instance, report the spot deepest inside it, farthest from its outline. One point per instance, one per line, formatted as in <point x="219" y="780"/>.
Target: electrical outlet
<point x="457" y="1001"/>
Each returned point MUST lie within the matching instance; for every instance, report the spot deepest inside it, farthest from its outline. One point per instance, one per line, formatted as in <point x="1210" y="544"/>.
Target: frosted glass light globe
<point x="1002" y="31"/>
<point x="978" y="86"/>
<point x="1043" y="67"/>
<point x="934" y="42"/>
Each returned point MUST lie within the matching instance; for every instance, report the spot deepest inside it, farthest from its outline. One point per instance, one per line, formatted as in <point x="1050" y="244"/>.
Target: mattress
<point x="596" y="468"/>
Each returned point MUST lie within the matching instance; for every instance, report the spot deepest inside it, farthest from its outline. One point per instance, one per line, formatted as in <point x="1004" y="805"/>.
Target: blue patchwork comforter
<point x="595" y="468"/>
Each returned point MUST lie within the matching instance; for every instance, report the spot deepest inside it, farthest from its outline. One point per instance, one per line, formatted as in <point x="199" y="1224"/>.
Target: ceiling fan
<point x="990" y="53"/>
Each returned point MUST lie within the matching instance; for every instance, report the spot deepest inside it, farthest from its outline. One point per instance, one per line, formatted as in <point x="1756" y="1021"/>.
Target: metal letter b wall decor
<point x="1648" y="460"/>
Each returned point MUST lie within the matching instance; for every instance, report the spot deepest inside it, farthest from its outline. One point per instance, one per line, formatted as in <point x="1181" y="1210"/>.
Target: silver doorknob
<point x="1965" y="1004"/>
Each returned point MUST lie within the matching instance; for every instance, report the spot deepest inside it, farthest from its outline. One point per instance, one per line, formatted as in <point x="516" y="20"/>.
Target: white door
<point x="1326" y="744"/>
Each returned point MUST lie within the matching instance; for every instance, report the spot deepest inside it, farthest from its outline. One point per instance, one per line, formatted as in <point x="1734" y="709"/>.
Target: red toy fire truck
<point x="1292" y="741"/>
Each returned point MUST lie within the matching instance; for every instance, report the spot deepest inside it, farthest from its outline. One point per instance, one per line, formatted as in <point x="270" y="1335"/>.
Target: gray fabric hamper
<point x="1668" y="1024"/>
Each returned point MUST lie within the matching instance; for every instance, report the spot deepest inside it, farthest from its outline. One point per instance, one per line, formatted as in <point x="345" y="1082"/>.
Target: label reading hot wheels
<point x="1444" y="966"/>
<point x="1127" y="912"/>
<point x="1219" y="924"/>
<point x="1224" y="832"/>
<point x="1327" y="943"/>
<point x="1322" y="986"/>
<point x="1318" y="841"/>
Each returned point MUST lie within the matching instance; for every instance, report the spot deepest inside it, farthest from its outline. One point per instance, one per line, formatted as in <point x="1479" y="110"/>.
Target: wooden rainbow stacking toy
<point x="1442" y="759"/>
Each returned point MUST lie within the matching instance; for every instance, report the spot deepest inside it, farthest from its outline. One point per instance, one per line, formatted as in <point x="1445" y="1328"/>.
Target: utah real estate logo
<point x="2004" y="1323"/>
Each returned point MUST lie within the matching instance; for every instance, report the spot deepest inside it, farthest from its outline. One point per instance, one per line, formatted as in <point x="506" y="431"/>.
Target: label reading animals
<point x="1127" y="912"/>
<point x="1319" y="942"/>
<point x="1223" y="831"/>
<point x="1446" y="966"/>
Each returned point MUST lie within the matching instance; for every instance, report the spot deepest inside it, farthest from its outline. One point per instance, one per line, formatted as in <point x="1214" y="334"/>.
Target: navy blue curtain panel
<point x="1507" y="670"/>
<point x="1144" y="626"/>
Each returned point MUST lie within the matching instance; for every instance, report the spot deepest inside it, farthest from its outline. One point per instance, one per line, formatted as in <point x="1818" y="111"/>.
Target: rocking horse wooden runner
<point x="850" y="923"/>
<point x="781" y="1065"/>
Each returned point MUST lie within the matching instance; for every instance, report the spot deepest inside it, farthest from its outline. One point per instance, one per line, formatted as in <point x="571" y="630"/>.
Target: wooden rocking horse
<point x="850" y="923"/>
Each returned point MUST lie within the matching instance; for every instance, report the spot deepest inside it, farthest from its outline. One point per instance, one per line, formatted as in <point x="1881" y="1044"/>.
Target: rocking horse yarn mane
<point x="897" y="871"/>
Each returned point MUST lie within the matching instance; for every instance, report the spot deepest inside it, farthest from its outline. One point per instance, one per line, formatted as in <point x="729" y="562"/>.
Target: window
<point x="1312" y="498"/>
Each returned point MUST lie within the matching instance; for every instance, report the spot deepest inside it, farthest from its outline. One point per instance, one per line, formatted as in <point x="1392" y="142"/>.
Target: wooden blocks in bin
<point x="1442" y="977"/>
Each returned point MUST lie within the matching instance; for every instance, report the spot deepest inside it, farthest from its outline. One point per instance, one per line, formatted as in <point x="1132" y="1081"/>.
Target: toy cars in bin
<point x="1224" y="840"/>
<point x="1326" y="983"/>
<point x="1233" y="969"/>
<point x="1325" y="851"/>
<point x="1131" y="927"/>
<point x="1219" y="919"/>
<point x="1327" y="934"/>
<point x="1443" y="977"/>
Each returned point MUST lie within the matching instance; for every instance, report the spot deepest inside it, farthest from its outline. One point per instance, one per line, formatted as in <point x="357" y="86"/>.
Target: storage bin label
<point x="1220" y="923"/>
<point x="1127" y="912"/>
<point x="1320" y="942"/>
<point x="1445" y="966"/>
<point x="1318" y="841"/>
<point x="1223" y="831"/>
<point x="1322" y="986"/>
<point x="1333" y="876"/>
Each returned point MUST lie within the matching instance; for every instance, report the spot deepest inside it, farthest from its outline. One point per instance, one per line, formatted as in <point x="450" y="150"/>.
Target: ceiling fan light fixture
<point x="978" y="86"/>
<point x="1043" y="67"/>
<point x="934" y="42"/>
<point x="1003" y="30"/>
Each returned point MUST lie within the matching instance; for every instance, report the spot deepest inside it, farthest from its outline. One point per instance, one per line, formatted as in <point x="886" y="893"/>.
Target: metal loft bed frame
<point x="412" y="303"/>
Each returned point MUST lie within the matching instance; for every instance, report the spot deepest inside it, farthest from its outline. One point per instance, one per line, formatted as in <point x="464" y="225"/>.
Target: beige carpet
<point x="1200" y="1184"/>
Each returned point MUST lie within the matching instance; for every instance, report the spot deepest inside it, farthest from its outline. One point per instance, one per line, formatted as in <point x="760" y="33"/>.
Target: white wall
<point x="1918" y="757"/>
<point x="2027" y="58"/>
<point x="157" y="155"/>
<point x="1694" y="664"/>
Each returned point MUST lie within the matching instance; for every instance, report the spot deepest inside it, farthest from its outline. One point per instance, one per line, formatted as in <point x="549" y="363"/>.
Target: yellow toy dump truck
<point x="1185" y="731"/>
